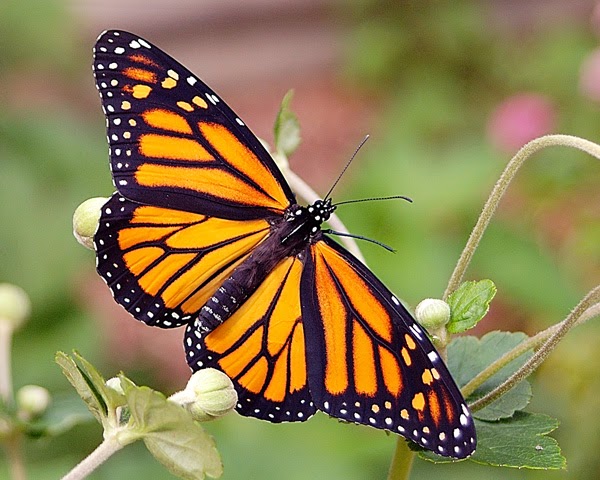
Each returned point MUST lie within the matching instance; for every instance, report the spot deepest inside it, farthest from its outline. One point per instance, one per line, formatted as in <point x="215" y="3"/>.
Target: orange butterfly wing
<point x="261" y="347"/>
<point x="162" y="264"/>
<point x="369" y="362"/>
<point x="174" y="143"/>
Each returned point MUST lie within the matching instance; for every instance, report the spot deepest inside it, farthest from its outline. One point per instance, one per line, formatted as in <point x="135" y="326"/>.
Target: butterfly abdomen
<point x="226" y="300"/>
<point x="247" y="277"/>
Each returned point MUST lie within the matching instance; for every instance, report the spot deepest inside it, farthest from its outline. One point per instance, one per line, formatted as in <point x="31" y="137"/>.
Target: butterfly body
<point x="289" y="237"/>
<point x="204" y="232"/>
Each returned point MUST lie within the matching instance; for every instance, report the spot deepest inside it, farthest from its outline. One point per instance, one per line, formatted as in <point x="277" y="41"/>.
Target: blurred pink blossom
<point x="519" y="119"/>
<point x="589" y="79"/>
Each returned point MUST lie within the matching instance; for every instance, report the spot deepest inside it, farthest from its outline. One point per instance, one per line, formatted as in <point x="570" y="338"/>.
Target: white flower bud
<point x="115" y="384"/>
<point x="15" y="306"/>
<point x="85" y="220"/>
<point x="32" y="401"/>
<point x="433" y="313"/>
<point x="209" y="394"/>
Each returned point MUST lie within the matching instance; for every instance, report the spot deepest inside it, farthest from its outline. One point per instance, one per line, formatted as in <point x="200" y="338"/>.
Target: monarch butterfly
<point x="205" y="232"/>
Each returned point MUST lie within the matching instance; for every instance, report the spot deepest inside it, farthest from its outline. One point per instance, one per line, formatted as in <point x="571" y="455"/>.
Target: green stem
<point x="402" y="461"/>
<point x="531" y="343"/>
<point x="15" y="459"/>
<point x="588" y="302"/>
<point x="500" y="188"/>
<point x="107" y="448"/>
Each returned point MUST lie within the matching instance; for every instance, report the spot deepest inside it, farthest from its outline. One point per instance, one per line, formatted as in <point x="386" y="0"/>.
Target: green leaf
<point x="90" y="385"/>
<point x="517" y="442"/>
<point x="83" y="385"/>
<point x="469" y="303"/>
<point x="170" y="434"/>
<point x="111" y="398"/>
<point x="287" y="127"/>
<point x="467" y="356"/>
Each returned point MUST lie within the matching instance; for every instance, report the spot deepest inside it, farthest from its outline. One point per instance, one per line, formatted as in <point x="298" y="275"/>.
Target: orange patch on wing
<point x="166" y="120"/>
<point x="448" y="407"/>
<point x="333" y="314"/>
<point x="406" y="357"/>
<point x="286" y="312"/>
<point x="141" y="91"/>
<point x="211" y="181"/>
<point x="365" y="377"/>
<point x="168" y="83"/>
<point x="185" y="106"/>
<point x="276" y="390"/>
<point x="254" y="379"/>
<point x="156" y="278"/>
<point x="418" y="401"/>
<point x="241" y="158"/>
<point x="410" y="343"/>
<point x="392" y="376"/>
<point x="427" y="377"/>
<point x="159" y="215"/>
<point x="140" y="74"/>
<point x="200" y="102"/>
<point x="367" y="306"/>
<point x="164" y="146"/>
<point x="298" y="360"/>
<point x="138" y="58"/>
<point x="129" y="237"/>
<point x="236" y="361"/>
<point x="434" y="407"/>
<point x="140" y="259"/>
<point x="215" y="231"/>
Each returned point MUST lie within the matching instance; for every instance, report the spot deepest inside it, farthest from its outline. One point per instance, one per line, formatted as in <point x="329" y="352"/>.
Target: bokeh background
<point x="448" y="91"/>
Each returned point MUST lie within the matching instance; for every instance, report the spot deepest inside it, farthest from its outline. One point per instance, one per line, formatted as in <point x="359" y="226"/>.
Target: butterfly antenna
<point x="375" y="199"/>
<point x="364" y="140"/>
<point x="360" y="237"/>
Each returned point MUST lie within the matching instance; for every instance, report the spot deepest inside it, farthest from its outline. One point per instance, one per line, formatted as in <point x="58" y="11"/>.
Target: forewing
<point x="174" y="143"/>
<point x="162" y="264"/>
<point x="369" y="362"/>
<point x="261" y="347"/>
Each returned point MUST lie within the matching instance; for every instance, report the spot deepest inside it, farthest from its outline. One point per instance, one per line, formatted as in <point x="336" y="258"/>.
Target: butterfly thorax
<point x="290" y="235"/>
<point x="304" y="223"/>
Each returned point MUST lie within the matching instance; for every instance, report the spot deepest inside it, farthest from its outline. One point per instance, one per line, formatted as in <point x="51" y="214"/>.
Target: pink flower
<point x="519" y="119"/>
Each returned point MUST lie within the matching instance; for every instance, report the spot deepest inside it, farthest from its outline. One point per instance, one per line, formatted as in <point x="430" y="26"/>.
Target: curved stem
<point x="500" y="188"/>
<point x="108" y="447"/>
<point x="588" y="302"/>
<point x="531" y="343"/>
<point x="402" y="461"/>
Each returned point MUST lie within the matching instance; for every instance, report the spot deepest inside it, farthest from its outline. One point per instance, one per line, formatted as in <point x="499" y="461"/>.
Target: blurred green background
<point x="448" y="91"/>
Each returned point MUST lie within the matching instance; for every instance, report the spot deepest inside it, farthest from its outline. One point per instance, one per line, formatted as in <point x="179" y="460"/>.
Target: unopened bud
<point x="209" y="394"/>
<point x="432" y="313"/>
<point x="85" y="220"/>
<point x="32" y="401"/>
<point x="15" y="306"/>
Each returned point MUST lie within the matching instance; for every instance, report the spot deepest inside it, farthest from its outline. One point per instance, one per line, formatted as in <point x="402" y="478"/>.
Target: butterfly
<point x="204" y="232"/>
